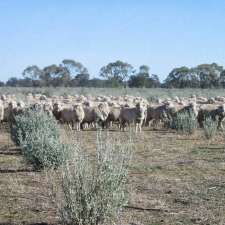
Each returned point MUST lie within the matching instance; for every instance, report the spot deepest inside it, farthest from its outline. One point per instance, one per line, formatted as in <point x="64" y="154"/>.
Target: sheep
<point x="67" y="116"/>
<point x="8" y="111"/>
<point x="173" y="109"/>
<point x="79" y="116"/>
<point x="96" y="115"/>
<point x="48" y="109"/>
<point x="113" y="116"/>
<point x="135" y="115"/>
<point x="156" y="114"/>
<point x="56" y="111"/>
<point x="216" y="112"/>
<point x="1" y="111"/>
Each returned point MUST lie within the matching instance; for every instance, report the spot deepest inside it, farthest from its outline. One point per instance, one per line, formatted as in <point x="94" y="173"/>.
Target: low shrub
<point x="185" y="122"/>
<point x="93" y="192"/>
<point x="38" y="135"/>
<point x="210" y="127"/>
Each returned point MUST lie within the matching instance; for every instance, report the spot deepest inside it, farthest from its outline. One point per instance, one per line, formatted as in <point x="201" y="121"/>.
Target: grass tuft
<point x="210" y="127"/>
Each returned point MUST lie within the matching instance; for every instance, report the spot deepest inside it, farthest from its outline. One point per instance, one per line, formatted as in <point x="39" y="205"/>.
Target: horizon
<point x="162" y="35"/>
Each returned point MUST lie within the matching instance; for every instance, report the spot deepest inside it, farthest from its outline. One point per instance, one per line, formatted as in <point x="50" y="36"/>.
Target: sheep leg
<point x="140" y="125"/>
<point x="79" y="125"/>
<point x="70" y="126"/>
<point x="122" y="126"/>
<point x="136" y="127"/>
<point x="220" y="125"/>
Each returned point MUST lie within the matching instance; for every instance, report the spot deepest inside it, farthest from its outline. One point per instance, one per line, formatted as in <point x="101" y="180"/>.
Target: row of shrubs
<point x="186" y="123"/>
<point x="85" y="191"/>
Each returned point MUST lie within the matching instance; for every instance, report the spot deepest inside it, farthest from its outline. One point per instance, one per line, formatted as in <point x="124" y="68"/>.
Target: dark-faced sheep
<point x="216" y="112"/>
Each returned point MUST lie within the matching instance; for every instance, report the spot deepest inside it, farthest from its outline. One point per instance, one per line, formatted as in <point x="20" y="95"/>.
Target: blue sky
<point x="162" y="33"/>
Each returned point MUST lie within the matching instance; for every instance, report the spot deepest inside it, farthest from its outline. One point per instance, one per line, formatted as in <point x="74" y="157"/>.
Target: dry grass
<point x="149" y="93"/>
<point x="175" y="179"/>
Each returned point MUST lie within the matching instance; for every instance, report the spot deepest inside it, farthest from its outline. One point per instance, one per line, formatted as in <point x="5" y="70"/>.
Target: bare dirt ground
<point x="174" y="179"/>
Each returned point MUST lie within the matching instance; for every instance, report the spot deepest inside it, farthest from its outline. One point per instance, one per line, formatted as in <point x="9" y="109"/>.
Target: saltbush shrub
<point x="38" y="135"/>
<point x="93" y="191"/>
<point x="210" y="127"/>
<point x="185" y="122"/>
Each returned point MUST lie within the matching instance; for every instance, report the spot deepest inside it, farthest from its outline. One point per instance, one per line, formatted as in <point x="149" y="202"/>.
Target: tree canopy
<point x="117" y="72"/>
<point x="71" y="73"/>
<point x="201" y="76"/>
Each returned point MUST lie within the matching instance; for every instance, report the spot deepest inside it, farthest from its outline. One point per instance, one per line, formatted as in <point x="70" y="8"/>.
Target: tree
<point x="28" y="82"/>
<point x="144" y="69"/>
<point x="144" y="79"/>
<point x="32" y="75"/>
<point x="117" y="72"/>
<point x="209" y="75"/>
<point x="56" y="75"/>
<point x="68" y="73"/>
<point x="74" y="67"/>
<point x="153" y="81"/>
<point x="136" y="81"/>
<point x="96" y="82"/>
<point x="222" y="78"/>
<point x="32" y="72"/>
<point x="12" y="82"/>
<point x="49" y="73"/>
<point x="182" y="77"/>
<point x="141" y="78"/>
<point x="2" y="84"/>
<point x="81" y="80"/>
<point x="204" y="76"/>
<point x="78" y="73"/>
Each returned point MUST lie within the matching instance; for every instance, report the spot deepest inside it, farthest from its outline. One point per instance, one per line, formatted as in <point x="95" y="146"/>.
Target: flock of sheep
<point x="83" y="112"/>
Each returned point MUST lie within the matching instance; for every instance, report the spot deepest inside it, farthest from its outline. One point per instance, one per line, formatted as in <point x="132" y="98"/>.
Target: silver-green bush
<point x="210" y="127"/>
<point x="93" y="192"/>
<point x="185" y="122"/>
<point x="38" y="135"/>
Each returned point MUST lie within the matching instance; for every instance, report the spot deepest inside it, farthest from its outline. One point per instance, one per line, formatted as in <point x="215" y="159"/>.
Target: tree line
<point x="70" y="73"/>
